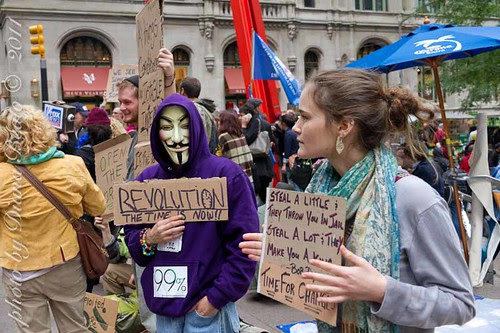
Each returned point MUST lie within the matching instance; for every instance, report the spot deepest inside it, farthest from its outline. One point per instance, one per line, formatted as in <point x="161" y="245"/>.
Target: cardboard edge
<point x="111" y="142"/>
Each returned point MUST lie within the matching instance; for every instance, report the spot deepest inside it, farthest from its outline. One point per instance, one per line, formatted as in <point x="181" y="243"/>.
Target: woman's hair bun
<point x="401" y="104"/>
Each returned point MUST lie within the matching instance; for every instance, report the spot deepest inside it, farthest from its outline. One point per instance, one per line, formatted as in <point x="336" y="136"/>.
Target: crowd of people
<point x="403" y="265"/>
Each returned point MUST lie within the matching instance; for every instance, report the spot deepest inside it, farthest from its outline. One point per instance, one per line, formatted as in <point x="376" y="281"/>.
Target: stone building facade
<point x="307" y="35"/>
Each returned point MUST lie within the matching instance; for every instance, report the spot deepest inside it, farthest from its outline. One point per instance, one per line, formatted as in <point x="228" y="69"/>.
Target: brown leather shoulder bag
<point x="94" y="256"/>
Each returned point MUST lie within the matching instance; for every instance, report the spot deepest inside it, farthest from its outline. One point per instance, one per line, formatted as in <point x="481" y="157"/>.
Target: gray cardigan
<point x="434" y="287"/>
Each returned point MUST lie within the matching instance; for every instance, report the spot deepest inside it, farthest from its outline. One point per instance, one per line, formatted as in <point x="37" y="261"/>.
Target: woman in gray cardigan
<point x="404" y="268"/>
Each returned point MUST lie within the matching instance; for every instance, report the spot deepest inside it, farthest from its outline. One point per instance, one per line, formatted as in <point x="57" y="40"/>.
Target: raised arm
<point x="166" y="63"/>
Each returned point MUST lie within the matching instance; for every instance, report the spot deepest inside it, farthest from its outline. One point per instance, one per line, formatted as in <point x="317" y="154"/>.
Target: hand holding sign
<point x="252" y="245"/>
<point x="166" y="63"/>
<point x="358" y="282"/>
<point x="166" y="230"/>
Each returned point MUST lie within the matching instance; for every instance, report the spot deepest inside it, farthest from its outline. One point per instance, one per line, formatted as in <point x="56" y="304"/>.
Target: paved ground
<point x="256" y="309"/>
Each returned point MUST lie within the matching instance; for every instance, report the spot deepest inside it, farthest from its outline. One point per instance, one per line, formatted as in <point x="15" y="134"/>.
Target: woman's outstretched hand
<point x="358" y="282"/>
<point x="252" y="245"/>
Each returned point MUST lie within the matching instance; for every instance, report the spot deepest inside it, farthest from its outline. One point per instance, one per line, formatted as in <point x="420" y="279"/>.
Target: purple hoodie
<point x="216" y="267"/>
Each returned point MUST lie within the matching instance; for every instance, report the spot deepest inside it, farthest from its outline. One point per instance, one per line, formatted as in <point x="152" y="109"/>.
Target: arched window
<point x="369" y="47"/>
<point x="231" y="56"/>
<point x="85" y="52"/>
<point x="181" y="62"/>
<point x="426" y="87"/>
<point x="377" y="5"/>
<point x="181" y="57"/>
<point x="234" y="84"/>
<point x="85" y="63"/>
<point x="311" y="63"/>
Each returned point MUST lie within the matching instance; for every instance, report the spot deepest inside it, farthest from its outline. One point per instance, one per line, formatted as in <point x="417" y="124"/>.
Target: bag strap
<point x="45" y="192"/>
<point x="259" y="125"/>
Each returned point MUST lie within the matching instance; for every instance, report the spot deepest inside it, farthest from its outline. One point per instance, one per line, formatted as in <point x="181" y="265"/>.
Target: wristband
<point x="147" y="250"/>
<point x="173" y="80"/>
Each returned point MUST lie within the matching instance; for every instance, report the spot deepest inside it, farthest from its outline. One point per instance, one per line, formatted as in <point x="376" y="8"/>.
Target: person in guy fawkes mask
<point x="205" y="253"/>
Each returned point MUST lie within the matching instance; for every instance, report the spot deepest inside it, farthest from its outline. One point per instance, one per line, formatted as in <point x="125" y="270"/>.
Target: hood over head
<point x="198" y="144"/>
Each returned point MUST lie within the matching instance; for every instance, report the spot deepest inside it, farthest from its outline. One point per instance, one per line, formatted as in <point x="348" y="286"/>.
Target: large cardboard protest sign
<point x="299" y="227"/>
<point x="148" y="202"/>
<point x="116" y="75"/>
<point x="100" y="313"/>
<point x="143" y="157"/>
<point x="111" y="167"/>
<point x="151" y="78"/>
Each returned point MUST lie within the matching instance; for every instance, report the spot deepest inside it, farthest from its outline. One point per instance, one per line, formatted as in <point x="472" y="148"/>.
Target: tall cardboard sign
<point x="111" y="167"/>
<point x="299" y="227"/>
<point x="100" y="313"/>
<point x="151" y="78"/>
<point x="116" y="75"/>
<point x="197" y="199"/>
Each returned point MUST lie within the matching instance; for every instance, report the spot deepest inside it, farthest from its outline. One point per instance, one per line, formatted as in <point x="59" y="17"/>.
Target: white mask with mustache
<point x="174" y="133"/>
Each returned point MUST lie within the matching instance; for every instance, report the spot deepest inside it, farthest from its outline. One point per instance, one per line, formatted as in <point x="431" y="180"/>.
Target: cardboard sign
<point x="298" y="227"/>
<point x="100" y="313"/>
<point x="116" y="75"/>
<point x="199" y="200"/>
<point x="111" y="167"/>
<point x="151" y="78"/>
<point x="143" y="157"/>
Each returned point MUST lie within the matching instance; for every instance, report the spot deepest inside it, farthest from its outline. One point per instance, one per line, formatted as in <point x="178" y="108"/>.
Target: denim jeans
<point x="224" y="321"/>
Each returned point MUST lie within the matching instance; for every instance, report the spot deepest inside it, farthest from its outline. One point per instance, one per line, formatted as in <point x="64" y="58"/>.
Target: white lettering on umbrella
<point x="431" y="46"/>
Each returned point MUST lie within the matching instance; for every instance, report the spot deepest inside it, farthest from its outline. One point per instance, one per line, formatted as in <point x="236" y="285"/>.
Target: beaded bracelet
<point x="147" y="250"/>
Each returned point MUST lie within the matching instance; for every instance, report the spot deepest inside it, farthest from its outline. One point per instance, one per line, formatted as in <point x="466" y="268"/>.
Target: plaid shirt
<point x="236" y="149"/>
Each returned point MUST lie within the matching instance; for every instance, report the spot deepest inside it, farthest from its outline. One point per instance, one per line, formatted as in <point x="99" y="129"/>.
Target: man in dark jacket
<point x="252" y="124"/>
<point x="290" y="145"/>
<point x="191" y="88"/>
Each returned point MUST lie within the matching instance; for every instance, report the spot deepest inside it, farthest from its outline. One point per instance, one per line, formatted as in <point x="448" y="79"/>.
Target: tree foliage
<point x="477" y="77"/>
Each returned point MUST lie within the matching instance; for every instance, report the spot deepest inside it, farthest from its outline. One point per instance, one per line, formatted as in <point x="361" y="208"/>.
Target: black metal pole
<point x="43" y="79"/>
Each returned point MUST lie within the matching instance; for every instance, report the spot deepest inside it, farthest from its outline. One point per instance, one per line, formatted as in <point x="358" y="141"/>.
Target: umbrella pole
<point x="434" y="66"/>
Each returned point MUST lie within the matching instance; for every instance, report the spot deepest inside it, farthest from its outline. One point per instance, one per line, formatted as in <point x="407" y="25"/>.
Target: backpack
<point x="206" y="116"/>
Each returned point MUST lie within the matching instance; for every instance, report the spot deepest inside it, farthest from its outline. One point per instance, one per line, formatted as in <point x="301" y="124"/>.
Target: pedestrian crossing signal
<point x="37" y="40"/>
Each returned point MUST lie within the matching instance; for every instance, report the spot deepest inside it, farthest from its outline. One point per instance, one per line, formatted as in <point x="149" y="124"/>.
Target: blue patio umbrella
<point x="431" y="44"/>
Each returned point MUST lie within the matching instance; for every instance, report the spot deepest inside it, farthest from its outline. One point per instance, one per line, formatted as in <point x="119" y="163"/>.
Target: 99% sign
<point x="170" y="281"/>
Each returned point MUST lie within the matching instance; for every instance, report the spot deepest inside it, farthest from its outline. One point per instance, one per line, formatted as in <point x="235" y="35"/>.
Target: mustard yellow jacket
<point x="33" y="233"/>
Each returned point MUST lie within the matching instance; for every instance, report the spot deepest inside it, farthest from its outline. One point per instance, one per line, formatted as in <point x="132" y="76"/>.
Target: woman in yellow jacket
<point x="39" y="252"/>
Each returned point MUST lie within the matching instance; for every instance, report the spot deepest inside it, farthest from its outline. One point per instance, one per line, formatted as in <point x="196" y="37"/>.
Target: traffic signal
<point x="36" y="39"/>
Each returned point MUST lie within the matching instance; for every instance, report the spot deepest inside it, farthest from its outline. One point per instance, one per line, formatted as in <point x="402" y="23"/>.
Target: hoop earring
<point x="339" y="145"/>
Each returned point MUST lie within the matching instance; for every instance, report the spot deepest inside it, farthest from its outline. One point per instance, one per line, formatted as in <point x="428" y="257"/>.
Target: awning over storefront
<point x="84" y="81"/>
<point x="234" y="80"/>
